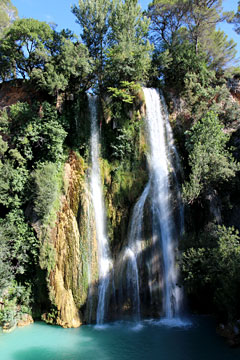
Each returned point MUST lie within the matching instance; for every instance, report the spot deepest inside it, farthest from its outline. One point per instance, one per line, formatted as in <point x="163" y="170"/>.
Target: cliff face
<point x="17" y="90"/>
<point x="75" y="248"/>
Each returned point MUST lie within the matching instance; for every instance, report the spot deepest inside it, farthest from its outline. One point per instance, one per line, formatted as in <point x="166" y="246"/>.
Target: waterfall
<point x="163" y="225"/>
<point x="132" y="251"/>
<point x="174" y="162"/>
<point x="104" y="260"/>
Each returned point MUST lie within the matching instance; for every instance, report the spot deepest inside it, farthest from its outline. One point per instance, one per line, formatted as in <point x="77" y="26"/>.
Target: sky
<point x="59" y="12"/>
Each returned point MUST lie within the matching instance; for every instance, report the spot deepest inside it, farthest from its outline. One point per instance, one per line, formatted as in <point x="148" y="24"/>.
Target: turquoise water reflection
<point x="117" y="341"/>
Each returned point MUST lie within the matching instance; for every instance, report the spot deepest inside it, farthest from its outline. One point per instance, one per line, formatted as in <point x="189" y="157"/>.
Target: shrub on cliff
<point x="211" y="266"/>
<point x="210" y="161"/>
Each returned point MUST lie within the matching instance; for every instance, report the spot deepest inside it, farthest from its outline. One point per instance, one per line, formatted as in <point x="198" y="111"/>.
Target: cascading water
<point x="162" y="159"/>
<point x="132" y="251"/>
<point x="174" y="162"/>
<point x="105" y="263"/>
<point x="163" y="226"/>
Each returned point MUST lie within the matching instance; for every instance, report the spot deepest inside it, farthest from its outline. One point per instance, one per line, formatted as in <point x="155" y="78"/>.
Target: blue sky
<point x="59" y="12"/>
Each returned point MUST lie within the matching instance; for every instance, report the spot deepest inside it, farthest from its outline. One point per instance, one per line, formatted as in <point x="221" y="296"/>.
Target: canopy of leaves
<point x="177" y="21"/>
<point x="8" y="13"/>
<point x="210" y="161"/>
<point x="128" y="55"/>
<point x="115" y="33"/>
<point x="204" y="92"/>
<point x="236" y="19"/>
<point x="36" y="132"/>
<point x="32" y="49"/>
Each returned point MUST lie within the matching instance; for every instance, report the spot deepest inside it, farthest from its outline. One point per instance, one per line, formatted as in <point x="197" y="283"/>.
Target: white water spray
<point x="105" y="263"/>
<point x="133" y="249"/>
<point x="162" y="218"/>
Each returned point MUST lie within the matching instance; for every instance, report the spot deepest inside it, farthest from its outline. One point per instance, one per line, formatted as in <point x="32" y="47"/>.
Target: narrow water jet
<point x="89" y="258"/>
<point x="104" y="260"/>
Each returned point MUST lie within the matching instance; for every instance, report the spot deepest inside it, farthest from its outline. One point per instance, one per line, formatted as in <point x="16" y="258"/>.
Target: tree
<point x="177" y="22"/>
<point x="128" y="55"/>
<point x="6" y="269"/>
<point x="8" y="13"/>
<point x="46" y="188"/>
<point x="167" y="18"/>
<point x="204" y="92"/>
<point x="203" y="15"/>
<point x="210" y="161"/>
<point x="93" y="16"/>
<point x="219" y="50"/>
<point x="37" y="135"/>
<point x="180" y="61"/>
<point x="32" y="49"/>
<point x="69" y="68"/>
<point x="25" y="43"/>
<point x="115" y="34"/>
<point x="236" y="19"/>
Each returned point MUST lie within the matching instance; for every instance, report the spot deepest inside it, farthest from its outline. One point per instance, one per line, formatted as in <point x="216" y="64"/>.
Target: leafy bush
<point x="212" y="266"/>
<point x="16" y="301"/>
<point x="210" y="161"/>
<point x="23" y="246"/>
<point x="47" y="180"/>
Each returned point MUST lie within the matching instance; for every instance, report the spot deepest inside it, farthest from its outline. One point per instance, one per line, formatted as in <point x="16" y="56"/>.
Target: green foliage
<point x="126" y="93"/>
<point x="219" y="50"/>
<point x="33" y="139"/>
<point x="16" y="301"/>
<point x="47" y="180"/>
<point x="236" y="19"/>
<point x="69" y="68"/>
<point x="186" y="39"/>
<point x="126" y="143"/>
<point x="210" y="161"/>
<point x="25" y="44"/>
<point x="3" y="146"/>
<point x="47" y="257"/>
<point x="115" y="33"/>
<point x="8" y="13"/>
<point x="36" y="131"/>
<point x="177" y="63"/>
<point x="211" y="94"/>
<point x="19" y="238"/>
<point x="128" y="54"/>
<point x="199" y="18"/>
<point x="92" y="16"/>
<point x="212" y="267"/>
<point x="13" y="179"/>
<point x="6" y="269"/>
<point x="51" y="316"/>
<point x="167" y="18"/>
<point x="122" y="147"/>
<point x="32" y="49"/>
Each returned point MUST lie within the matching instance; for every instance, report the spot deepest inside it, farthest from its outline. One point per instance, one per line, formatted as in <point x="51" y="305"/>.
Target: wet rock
<point x="231" y="332"/>
<point x="25" y="320"/>
<point x="9" y="327"/>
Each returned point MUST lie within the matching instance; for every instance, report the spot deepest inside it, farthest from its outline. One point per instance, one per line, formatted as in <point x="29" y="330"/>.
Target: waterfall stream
<point x="163" y="164"/>
<point x="163" y="225"/>
<point x="104" y="260"/>
<point x="132" y="251"/>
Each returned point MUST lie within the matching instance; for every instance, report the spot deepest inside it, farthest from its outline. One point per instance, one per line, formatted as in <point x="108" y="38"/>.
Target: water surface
<point x="118" y="341"/>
